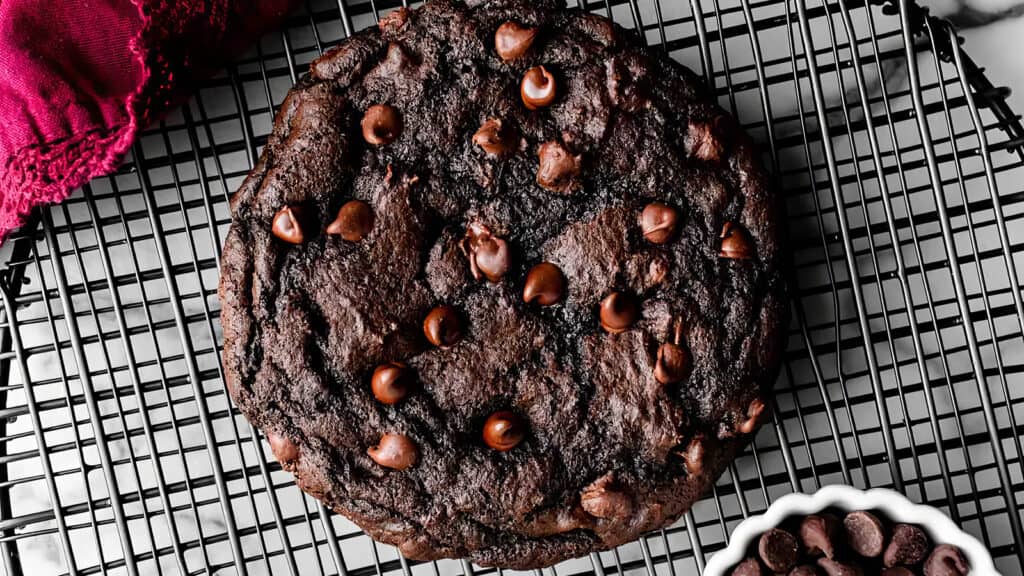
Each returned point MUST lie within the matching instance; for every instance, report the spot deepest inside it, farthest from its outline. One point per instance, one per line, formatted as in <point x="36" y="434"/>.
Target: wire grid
<point x="901" y="165"/>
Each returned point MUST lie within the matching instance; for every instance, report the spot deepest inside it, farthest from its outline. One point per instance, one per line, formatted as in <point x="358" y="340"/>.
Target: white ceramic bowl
<point x="939" y="527"/>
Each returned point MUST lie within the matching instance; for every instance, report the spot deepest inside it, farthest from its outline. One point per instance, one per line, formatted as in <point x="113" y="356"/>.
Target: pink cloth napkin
<point x="80" y="78"/>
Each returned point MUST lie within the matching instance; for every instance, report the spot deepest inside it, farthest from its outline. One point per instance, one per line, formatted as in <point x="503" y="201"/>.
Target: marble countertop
<point x="993" y="31"/>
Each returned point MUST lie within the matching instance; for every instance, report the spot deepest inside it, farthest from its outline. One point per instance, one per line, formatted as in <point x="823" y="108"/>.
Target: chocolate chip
<point x="443" y="326"/>
<point x="538" y="88"/>
<point x="707" y="140"/>
<point x="604" y="498"/>
<point x="288" y="224"/>
<point x="395" y="451"/>
<point x="659" y="223"/>
<point x="693" y="457"/>
<point x="946" y="560"/>
<point x="897" y="571"/>
<point x="381" y="124"/>
<point x="283" y="449"/>
<point x="354" y="221"/>
<point x="818" y="534"/>
<point x="749" y="567"/>
<point x="545" y="285"/>
<point x="618" y="312"/>
<point x="495" y="138"/>
<point x="391" y="382"/>
<point x="834" y="568"/>
<point x="672" y="363"/>
<point x="778" y="549"/>
<point x="804" y="570"/>
<point x="559" y="168"/>
<point x="864" y="533"/>
<point x="488" y="255"/>
<point x="736" y="242"/>
<point x="504" y="430"/>
<point x="753" y="419"/>
<point x="512" y="40"/>
<point x="907" y="546"/>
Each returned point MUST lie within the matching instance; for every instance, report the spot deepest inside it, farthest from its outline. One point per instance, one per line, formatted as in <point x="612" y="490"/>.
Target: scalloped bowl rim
<point x="940" y="527"/>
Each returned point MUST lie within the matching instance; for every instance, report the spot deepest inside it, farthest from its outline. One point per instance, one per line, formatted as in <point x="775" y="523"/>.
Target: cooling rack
<point x="902" y="169"/>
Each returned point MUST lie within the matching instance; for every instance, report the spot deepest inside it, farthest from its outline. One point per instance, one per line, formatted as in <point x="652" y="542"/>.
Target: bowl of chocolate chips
<point x="843" y="531"/>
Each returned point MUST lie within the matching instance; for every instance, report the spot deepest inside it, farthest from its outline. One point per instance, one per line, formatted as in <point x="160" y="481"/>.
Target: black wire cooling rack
<point x="903" y="172"/>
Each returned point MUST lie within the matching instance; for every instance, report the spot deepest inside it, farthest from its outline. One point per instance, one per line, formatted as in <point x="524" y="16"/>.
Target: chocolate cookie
<point x="504" y="284"/>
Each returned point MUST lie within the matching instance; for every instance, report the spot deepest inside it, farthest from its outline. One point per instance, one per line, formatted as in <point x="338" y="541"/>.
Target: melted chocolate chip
<point x="283" y="448"/>
<point x="382" y="124"/>
<point x="604" y="498"/>
<point x="545" y="285"/>
<point x="659" y="223"/>
<point x="736" y="242"/>
<point x="495" y="138"/>
<point x="354" y="221"/>
<point x="288" y="224"/>
<point x="946" y="560"/>
<point x="559" y="168"/>
<point x="694" y="455"/>
<point x="803" y="570"/>
<point x="443" y="326"/>
<point x="818" y="534"/>
<point x="672" y="363"/>
<point x="504" y="430"/>
<point x="864" y="533"/>
<point x="618" y="312"/>
<point x="395" y="451"/>
<point x="778" y="549"/>
<point x="488" y="255"/>
<point x="538" y="88"/>
<point x="391" y="382"/>
<point x="907" y="546"/>
<point x="753" y="419"/>
<point x="512" y="40"/>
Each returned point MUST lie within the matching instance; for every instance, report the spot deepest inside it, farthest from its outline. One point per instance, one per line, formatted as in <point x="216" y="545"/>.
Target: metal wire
<point x="901" y="163"/>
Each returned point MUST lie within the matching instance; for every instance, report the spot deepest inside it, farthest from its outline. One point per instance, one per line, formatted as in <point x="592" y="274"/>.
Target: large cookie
<point x="504" y="284"/>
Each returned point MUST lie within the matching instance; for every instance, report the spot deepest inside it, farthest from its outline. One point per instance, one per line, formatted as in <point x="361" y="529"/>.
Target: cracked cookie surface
<point x="504" y="284"/>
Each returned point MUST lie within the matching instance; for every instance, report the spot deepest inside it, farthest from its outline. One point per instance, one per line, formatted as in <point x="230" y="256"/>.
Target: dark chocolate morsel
<point x="443" y="326"/>
<point x="382" y="124"/>
<point x="946" y="560"/>
<point x="283" y="448"/>
<point x="354" y="221"/>
<point x="288" y="224"/>
<point x="618" y="312"/>
<point x="391" y="382"/>
<point x="512" y="40"/>
<point x="818" y="534"/>
<point x="736" y="242"/>
<point x="659" y="223"/>
<point x="394" y="451"/>
<point x="908" y="545"/>
<point x="559" y="169"/>
<point x="504" y="430"/>
<point x="778" y="549"/>
<point x="804" y="570"/>
<point x="545" y="285"/>
<point x="864" y="533"/>
<point x="538" y="88"/>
